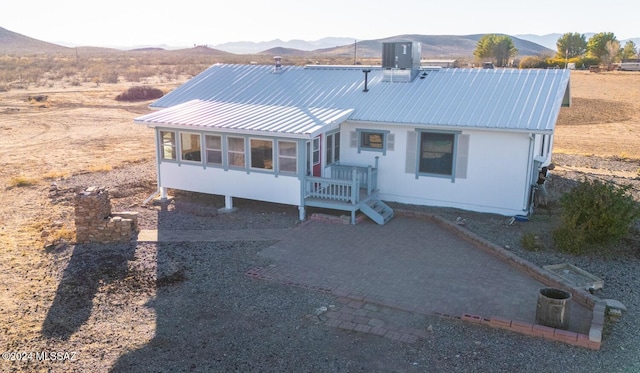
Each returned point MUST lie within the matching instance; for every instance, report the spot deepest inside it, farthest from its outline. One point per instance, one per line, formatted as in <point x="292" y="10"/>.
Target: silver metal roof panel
<point x="255" y="119"/>
<point x="508" y="99"/>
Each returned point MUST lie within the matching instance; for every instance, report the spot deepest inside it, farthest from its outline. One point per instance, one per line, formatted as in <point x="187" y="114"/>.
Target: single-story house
<point x="351" y="137"/>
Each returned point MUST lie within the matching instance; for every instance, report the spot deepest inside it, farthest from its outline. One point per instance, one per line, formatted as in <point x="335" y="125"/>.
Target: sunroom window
<point x="214" y="149"/>
<point x="262" y="154"/>
<point x="190" y="146"/>
<point x="287" y="156"/>
<point x="235" y="152"/>
<point x="168" y="139"/>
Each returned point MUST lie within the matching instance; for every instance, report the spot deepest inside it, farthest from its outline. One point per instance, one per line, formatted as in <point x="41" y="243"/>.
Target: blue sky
<point x="188" y="22"/>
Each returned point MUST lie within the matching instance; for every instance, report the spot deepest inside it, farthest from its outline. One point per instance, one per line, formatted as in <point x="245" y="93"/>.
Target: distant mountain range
<point x="14" y="43"/>
<point x="247" y="47"/>
<point x="433" y="46"/>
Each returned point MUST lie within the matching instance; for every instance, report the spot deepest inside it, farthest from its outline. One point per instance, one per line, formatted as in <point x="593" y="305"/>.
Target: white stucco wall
<point x="497" y="178"/>
<point x="235" y="183"/>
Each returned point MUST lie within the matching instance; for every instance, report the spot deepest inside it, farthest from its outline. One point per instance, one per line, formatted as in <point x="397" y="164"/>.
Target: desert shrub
<point x="594" y="213"/>
<point x="133" y="75"/>
<point x="140" y="93"/>
<point x="533" y="62"/>
<point x="529" y="241"/>
<point x="110" y="77"/>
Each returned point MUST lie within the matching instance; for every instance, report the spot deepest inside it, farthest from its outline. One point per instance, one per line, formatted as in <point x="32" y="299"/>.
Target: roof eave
<point x="243" y="132"/>
<point x="454" y="127"/>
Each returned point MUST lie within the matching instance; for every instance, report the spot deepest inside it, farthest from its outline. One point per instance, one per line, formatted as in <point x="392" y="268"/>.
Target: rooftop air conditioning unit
<point x="401" y="60"/>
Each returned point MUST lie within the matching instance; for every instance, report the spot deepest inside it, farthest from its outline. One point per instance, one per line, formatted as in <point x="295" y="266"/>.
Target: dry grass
<point x="100" y="168"/>
<point x="61" y="234"/>
<point x="21" y="181"/>
<point x="604" y="119"/>
<point x="55" y="175"/>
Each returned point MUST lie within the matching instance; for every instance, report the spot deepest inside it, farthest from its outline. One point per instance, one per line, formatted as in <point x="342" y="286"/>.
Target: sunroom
<point x="268" y="153"/>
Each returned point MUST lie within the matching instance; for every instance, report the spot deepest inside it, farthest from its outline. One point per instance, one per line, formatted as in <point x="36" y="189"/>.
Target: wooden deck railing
<point x="332" y="189"/>
<point x="344" y="184"/>
<point x="368" y="175"/>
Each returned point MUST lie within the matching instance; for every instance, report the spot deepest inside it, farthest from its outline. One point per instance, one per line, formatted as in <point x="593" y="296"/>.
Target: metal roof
<point x="256" y="119"/>
<point x="508" y="99"/>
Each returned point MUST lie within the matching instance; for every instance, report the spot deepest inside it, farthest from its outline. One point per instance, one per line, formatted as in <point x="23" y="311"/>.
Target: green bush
<point x="594" y="213"/>
<point x="589" y="61"/>
<point x="560" y="63"/>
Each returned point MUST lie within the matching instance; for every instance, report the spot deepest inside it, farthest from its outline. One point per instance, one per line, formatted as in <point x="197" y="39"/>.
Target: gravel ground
<point x="195" y="310"/>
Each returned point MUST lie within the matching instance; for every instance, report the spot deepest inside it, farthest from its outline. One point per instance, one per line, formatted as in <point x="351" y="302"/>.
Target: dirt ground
<point x="83" y="130"/>
<point x="604" y="119"/>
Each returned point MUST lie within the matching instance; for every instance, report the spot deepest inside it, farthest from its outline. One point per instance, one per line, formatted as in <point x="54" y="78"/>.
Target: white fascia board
<point x="226" y="130"/>
<point x="444" y="127"/>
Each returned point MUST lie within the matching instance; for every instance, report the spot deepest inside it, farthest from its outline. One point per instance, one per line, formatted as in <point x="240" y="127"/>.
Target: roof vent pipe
<point x="277" y="67"/>
<point x="366" y="74"/>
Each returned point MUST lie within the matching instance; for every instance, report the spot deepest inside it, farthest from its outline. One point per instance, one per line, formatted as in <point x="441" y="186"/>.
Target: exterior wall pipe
<point x="529" y="182"/>
<point x="366" y="79"/>
<point x="162" y="190"/>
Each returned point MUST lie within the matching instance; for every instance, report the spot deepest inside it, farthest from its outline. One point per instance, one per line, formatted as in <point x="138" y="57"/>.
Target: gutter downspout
<point x="529" y="183"/>
<point x="158" y="188"/>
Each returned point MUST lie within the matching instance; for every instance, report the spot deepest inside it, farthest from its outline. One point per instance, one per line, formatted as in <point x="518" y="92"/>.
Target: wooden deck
<point x="350" y="188"/>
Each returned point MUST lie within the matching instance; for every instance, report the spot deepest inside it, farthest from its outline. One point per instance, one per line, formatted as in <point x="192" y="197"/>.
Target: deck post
<point x="355" y="188"/>
<point x="369" y="178"/>
<point x="228" y="202"/>
<point x="374" y="184"/>
<point x="163" y="193"/>
<point x="228" y="205"/>
<point x="302" y="215"/>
